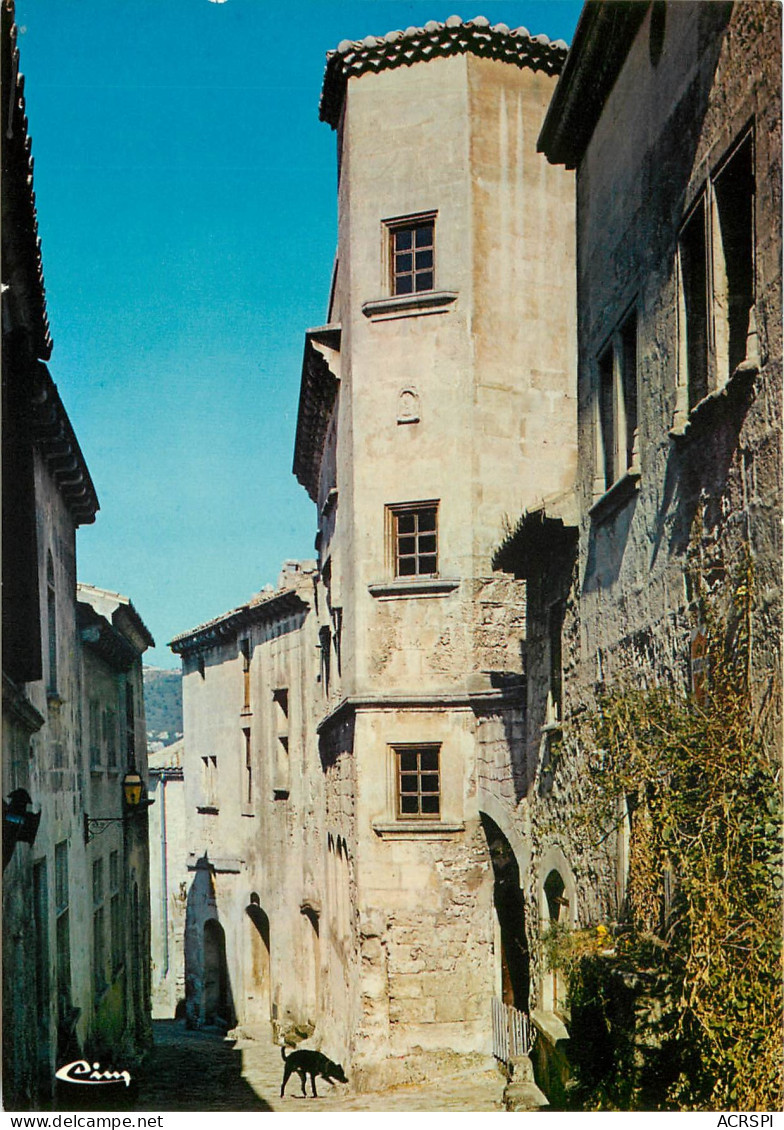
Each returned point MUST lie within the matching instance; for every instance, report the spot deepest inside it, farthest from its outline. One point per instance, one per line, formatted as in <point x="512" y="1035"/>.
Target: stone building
<point x="168" y="880"/>
<point x="437" y="400"/>
<point x="252" y="801"/>
<point x="671" y="116"/>
<point x="71" y="984"/>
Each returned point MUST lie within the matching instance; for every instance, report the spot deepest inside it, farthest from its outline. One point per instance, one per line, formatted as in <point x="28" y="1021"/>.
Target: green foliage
<point x="163" y="700"/>
<point x="701" y="779"/>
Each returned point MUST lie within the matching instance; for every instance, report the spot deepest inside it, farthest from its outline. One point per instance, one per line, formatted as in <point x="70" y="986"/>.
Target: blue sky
<point x="187" y="210"/>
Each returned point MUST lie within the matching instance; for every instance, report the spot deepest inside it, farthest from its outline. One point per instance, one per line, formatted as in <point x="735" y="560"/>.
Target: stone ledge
<point x="416" y="829"/>
<point x="551" y="1026"/>
<point x="409" y="305"/>
<point x="619" y="493"/>
<point x="701" y="416"/>
<point x="416" y="586"/>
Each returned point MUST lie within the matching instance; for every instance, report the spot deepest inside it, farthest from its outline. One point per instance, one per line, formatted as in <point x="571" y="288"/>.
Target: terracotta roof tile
<point x="434" y="40"/>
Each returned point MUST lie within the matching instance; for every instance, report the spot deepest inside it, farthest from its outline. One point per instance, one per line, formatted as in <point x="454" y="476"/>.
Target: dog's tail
<point x="283" y="1052"/>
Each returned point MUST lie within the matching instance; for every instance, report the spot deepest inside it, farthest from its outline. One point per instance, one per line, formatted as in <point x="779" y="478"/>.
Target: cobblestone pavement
<point x="190" y="1071"/>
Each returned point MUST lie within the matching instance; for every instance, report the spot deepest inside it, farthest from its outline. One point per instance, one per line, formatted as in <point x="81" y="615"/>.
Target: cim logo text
<point x="80" y="1071"/>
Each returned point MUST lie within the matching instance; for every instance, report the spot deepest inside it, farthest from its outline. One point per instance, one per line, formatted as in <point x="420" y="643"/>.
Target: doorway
<point x="510" y="915"/>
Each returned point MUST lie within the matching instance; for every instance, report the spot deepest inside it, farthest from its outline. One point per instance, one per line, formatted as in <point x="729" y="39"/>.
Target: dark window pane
<point x="406" y="567"/>
<point x="430" y="805"/>
<point x="408" y="760"/>
<point x="406" y="545"/>
<point x="404" y="262"/>
<point x="427" y="564"/>
<point x="403" y="239"/>
<point x="427" y="519"/>
<point x="430" y="783"/>
<point x="424" y="259"/>
<point x="424" y="235"/>
<point x="429" y="759"/>
<point x="406" y="523"/>
<point x="427" y="543"/>
<point x="409" y="804"/>
<point x="408" y="783"/>
<point x="404" y="284"/>
<point x="424" y="281"/>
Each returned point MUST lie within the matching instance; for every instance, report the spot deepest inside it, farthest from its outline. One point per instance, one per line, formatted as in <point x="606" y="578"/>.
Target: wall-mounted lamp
<point x="134" y="803"/>
<point x="19" y="825"/>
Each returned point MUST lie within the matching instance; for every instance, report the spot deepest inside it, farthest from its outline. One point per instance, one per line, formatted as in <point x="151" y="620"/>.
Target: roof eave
<point x="602" y="39"/>
<point x="222" y="627"/>
<point x="318" y="391"/>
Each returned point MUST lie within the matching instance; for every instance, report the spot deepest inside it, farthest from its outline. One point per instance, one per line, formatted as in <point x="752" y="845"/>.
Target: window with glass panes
<point x="415" y="535"/>
<point x="418" y="781"/>
<point x="413" y="263"/>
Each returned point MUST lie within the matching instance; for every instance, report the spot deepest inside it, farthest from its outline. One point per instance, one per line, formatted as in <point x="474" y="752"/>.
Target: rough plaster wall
<point x="341" y="990"/>
<point x="523" y="253"/>
<point x="427" y="964"/>
<point x="629" y="613"/>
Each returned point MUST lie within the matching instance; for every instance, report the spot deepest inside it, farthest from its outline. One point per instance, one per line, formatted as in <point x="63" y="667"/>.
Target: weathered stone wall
<point x="491" y="429"/>
<point x="258" y="827"/>
<point x="709" y="483"/>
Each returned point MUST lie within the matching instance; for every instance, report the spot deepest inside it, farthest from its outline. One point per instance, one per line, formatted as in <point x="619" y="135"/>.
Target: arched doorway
<point x="216" y="1003"/>
<point x="259" y="958"/>
<point x="510" y="915"/>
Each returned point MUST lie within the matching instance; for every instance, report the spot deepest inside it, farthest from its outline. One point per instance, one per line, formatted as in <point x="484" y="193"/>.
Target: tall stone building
<point x="75" y="910"/>
<point x="671" y="116"/>
<point x="438" y="399"/>
<point x="253" y="811"/>
<point x="525" y="421"/>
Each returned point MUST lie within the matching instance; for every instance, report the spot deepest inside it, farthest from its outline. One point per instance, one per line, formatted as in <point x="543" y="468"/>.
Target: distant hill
<point x="162" y="706"/>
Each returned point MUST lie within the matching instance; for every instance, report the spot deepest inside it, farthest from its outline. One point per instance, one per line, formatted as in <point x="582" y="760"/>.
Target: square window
<point x="617" y="403"/>
<point x="414" y="537"/>
<point x="412" y="254"/>
<point x="716" y="278"/>
<point x="418" y="781"/>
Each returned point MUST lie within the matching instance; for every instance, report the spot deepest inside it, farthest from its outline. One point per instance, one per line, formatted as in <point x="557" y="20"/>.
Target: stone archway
<point x="509" y="906"/>
<point x="216" y="1002"/>
<point x="259" y="959"/>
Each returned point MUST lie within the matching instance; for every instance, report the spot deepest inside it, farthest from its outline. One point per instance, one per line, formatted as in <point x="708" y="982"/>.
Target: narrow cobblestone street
<point x="201" y="1071"/>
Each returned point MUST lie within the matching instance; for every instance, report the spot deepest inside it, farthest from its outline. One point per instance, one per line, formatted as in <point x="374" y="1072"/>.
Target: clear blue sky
<point x="187" y="209"/>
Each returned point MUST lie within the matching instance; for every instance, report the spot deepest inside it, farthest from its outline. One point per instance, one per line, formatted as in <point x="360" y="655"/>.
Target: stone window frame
<point x="62" y="925"/>
<point x="209" y="784"/>
<point x="51" y="621"/>
<point x="100" y="982"/>
<point x="709" y="355"/>
<point x="399" y="749"/>
<point x="393" y="536"/>
<point x="396" y="274"/>
<point x="616" y="399"/>
<point x="396" y="304"/>
<point x="116" y="923"/>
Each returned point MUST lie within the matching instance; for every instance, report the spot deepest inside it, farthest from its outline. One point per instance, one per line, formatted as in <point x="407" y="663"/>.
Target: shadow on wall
<point x="698" y="469"/>
<point x="510" y="911"/>
<point x="651" y="241"/>
<point x="208" y="996"/>
<point x="260" y="957"/>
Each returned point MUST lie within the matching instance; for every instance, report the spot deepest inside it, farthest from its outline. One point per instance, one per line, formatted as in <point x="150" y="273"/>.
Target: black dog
<point x="306" y="1062"/>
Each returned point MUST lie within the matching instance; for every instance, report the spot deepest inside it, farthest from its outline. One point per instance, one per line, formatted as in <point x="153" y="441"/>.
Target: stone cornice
<point x="17" y="704"/>
<point x="318" y="391"/>
<point x="120" y="611"/>
<point x="104" y="640"/>
<point x="601" y="43"/>
<point x="277" y="605"/>
<point x="433" y="41"/>
<point x="21" y="246"/>
<point x="458" y="700"/>
<point x="54" y="437"/>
